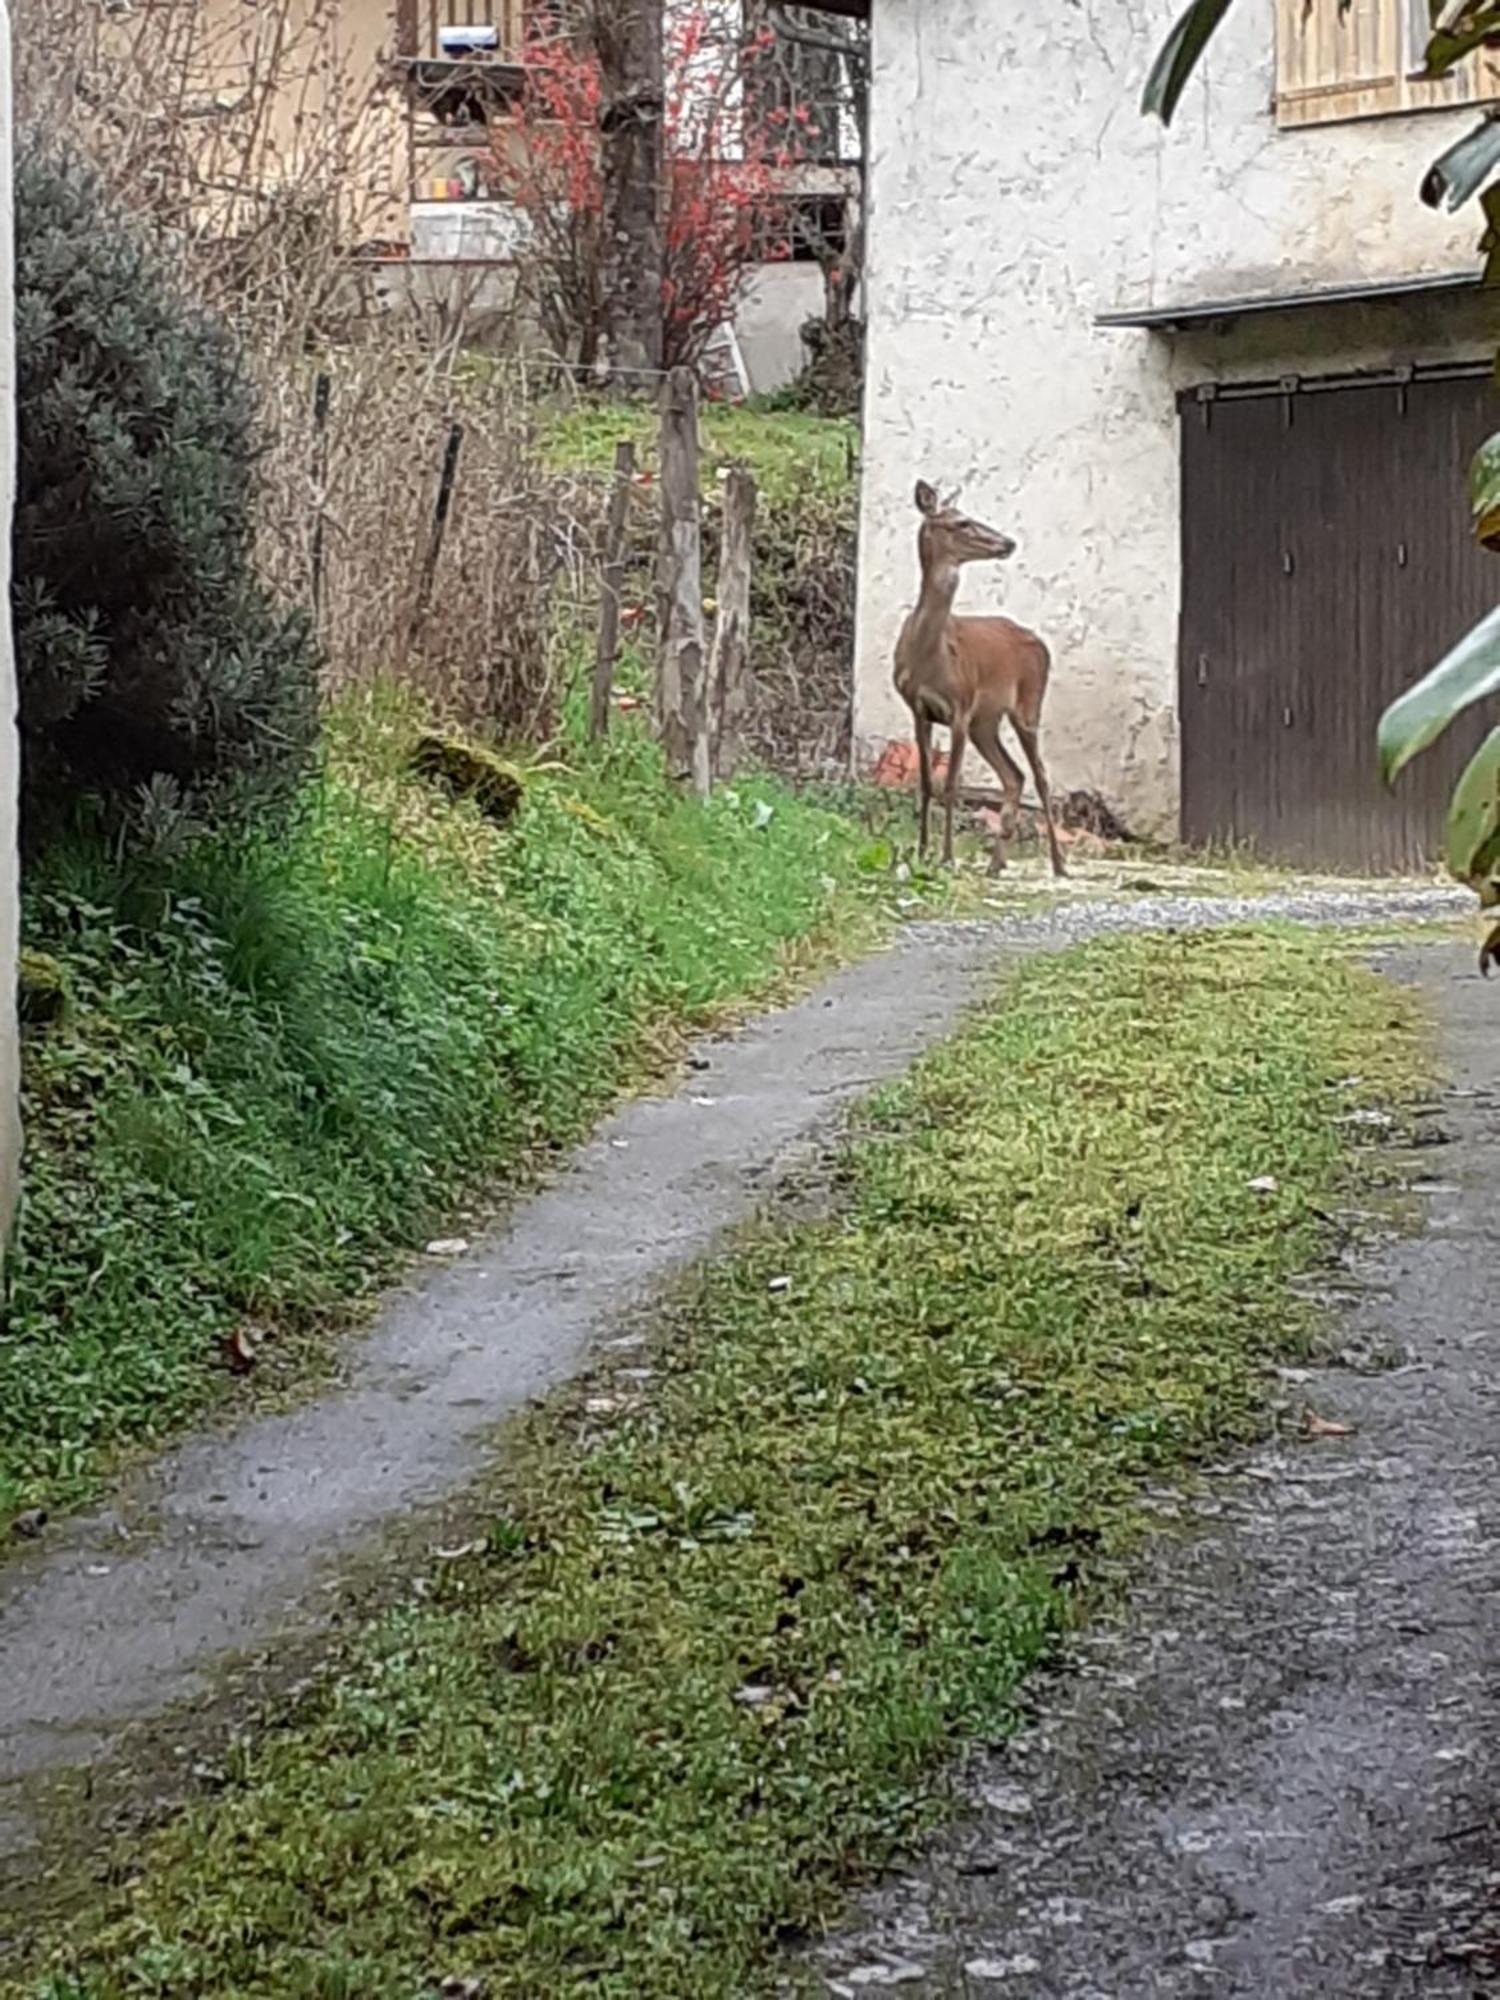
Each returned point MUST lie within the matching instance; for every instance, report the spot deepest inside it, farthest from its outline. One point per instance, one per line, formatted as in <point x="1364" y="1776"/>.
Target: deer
<point x="970" y="675"/>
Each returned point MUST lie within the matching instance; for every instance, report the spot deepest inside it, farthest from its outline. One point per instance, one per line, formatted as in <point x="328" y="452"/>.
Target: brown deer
<point x="970" y="675"/>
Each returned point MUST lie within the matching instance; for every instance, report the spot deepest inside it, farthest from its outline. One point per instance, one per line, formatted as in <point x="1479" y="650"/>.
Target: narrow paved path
<point x="1276" y="1774"/>
<point x="232" y="1542"/>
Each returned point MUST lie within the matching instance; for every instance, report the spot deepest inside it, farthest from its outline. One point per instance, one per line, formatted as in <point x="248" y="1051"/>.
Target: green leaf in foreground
<point x="739" y="1618"/>
<point x="1484" y="485"/>
<point x="1473" y="25"/>
<point x="1473" y="834"/>
<point x="1416" y="719"/>
<point x="1462" y="171"/>
<point x="1179" y="56"/>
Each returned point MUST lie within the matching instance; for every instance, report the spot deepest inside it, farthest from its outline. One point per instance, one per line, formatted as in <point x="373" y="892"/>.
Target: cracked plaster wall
<point x="1013" y="196"/>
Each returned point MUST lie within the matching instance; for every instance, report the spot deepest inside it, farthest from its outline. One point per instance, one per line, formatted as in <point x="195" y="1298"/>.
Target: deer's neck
<point x="935" y="605"/>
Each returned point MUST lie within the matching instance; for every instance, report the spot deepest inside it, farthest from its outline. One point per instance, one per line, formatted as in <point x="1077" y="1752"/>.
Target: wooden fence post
<point x="728" y="667"/>
<point x="682" y="711"/>
<point x="612" y="577"/>
<point x="322" y="398"/>
<point x="434" y="549"/>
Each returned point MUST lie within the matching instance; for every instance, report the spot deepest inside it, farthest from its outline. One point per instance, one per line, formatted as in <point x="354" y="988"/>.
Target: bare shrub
<point x="259" y="143"/>
<point x="802" y="604"/>
<point x="486" y="650"/>
<point x="260" y="149"/>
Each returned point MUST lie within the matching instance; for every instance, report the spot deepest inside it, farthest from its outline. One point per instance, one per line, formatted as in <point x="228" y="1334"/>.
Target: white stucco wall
<point x="1014" y="195"/>
<point x="776" y="302"/>
<point x="10" y="1135"/>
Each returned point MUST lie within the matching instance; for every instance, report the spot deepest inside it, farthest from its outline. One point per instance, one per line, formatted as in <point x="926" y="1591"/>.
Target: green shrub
<point x="150" y="655"/>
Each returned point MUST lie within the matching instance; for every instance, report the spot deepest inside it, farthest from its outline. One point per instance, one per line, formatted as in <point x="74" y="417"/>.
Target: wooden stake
<point x="444" y="501"/>
<point x="611" y="579"/>
<point x="322" y="397"/>
<point x="682" y="717"/>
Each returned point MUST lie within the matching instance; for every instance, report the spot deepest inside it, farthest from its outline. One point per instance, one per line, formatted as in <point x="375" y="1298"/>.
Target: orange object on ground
<point x="897" y="767"/>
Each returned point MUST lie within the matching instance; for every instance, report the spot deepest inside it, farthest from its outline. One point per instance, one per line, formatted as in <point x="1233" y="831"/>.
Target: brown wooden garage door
<point x="1326" y="562"/>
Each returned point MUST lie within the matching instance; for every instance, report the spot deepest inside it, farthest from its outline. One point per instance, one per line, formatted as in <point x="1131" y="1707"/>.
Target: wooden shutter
<point x="1364" y="63"/>
<point x="1331" y="65"/>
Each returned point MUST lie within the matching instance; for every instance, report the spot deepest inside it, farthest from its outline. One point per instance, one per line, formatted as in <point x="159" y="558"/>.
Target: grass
<point x="787" y="451"/>
<point x="288" y="1059"/>
<point x="722" y="1636"/>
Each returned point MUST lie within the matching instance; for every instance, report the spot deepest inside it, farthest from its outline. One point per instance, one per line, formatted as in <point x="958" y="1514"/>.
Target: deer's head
<point x="948" y="537"/>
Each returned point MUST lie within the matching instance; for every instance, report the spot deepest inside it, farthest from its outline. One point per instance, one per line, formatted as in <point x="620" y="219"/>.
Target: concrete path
<point x="1275" y="1775"/>
<point x="233" y="1541"/>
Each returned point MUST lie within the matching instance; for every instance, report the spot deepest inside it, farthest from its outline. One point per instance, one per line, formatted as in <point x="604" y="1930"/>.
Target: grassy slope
<point x="786" y="452"/>
<point x="288" y="1061"/>
<point x="720" y="1640"/>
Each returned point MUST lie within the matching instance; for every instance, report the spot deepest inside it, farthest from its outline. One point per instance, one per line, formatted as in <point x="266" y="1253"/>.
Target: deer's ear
<point x="927" y="500"/>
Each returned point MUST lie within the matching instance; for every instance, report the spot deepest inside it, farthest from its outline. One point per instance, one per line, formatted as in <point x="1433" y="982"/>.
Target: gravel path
<point x="1274" y="1775"/>
<point x="232" y="1543"/>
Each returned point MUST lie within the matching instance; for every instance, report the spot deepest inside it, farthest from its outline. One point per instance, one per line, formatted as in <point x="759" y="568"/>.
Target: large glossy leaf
<point x="1457" y="32"/>
<point x="1473" y="835"/>
<point x="1178" y="56"/>
<point x="1484" y="493"/>
<point x="1467" y="674"/>
<point x="1465" y="167"/>
<point x="1489" y="243"/>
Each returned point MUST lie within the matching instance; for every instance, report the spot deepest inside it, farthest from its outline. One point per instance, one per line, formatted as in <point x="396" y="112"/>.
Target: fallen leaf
<point x="1322" y="1427"/>
<point x="240" y="1350"/>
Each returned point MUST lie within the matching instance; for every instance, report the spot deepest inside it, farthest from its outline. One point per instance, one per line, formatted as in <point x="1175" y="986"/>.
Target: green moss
<point x="469" y="771"/>
<point x="41" y="989"/>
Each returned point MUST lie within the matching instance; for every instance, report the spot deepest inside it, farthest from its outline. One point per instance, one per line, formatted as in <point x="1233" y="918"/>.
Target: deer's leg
<point x="1031" y="745"/>
<point x="958" y="740"/>
<point x="1008" y="771"/>
<point x="924" y="779"/>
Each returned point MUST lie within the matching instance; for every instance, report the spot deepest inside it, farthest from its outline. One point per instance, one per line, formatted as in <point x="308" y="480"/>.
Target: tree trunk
<point x="628" y="43"/>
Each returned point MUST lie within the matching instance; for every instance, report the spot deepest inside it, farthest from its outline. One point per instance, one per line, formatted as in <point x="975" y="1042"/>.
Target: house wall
<point x="775" y="304"/>
<point x="10" y="1133"/>
<point x="1015" y="192"/>
<point x="332" y="122"/>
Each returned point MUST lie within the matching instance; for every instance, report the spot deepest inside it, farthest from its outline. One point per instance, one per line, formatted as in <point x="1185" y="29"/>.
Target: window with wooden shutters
<point x="1365" y="62"/>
